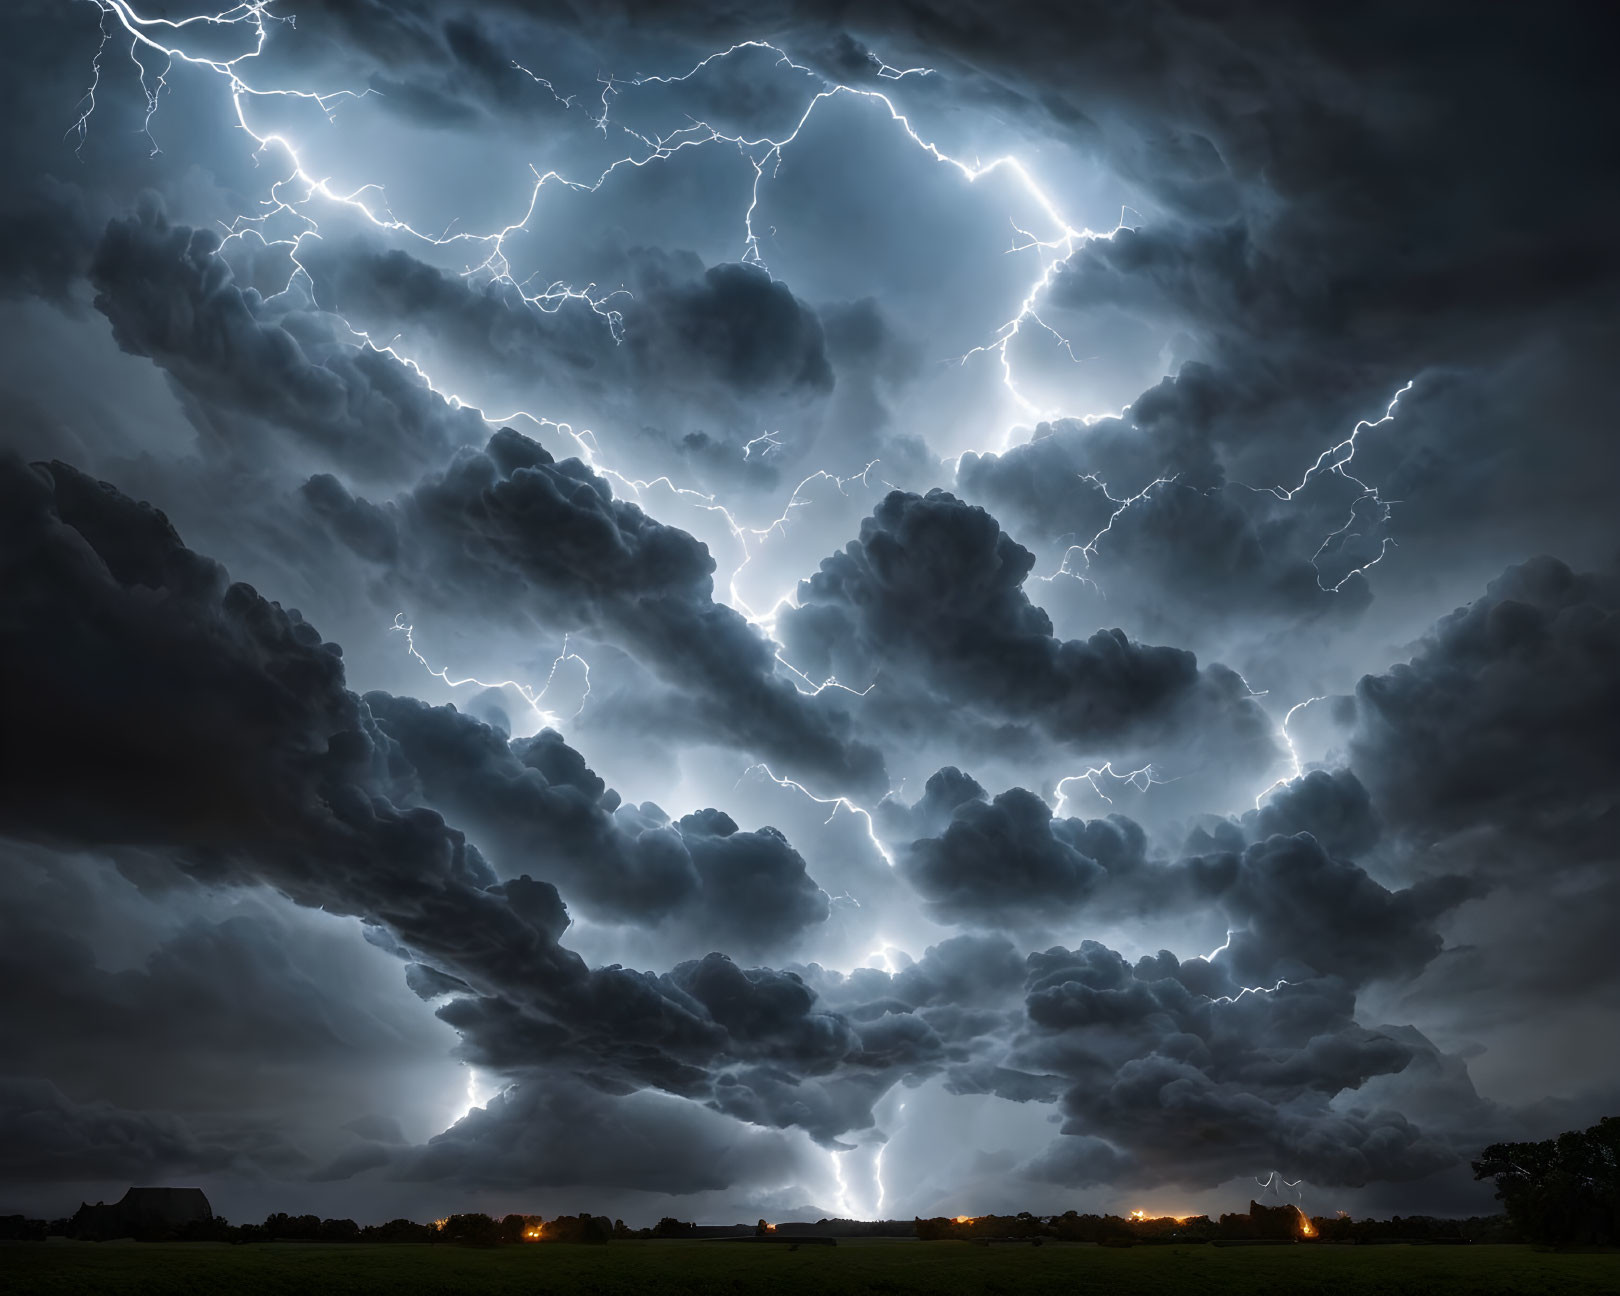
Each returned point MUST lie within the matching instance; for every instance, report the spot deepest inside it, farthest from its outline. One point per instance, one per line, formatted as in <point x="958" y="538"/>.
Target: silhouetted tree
<point x="1563" y="1191"/>
<point x="475" y="1229"/>
<point x="292" y="1228"/>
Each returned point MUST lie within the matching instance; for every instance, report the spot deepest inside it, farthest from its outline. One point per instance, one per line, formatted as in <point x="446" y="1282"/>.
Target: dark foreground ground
<point x="727" y="1268"/>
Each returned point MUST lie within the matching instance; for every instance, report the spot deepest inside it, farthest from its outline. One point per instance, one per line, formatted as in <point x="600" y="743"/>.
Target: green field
<point x="721" y="1268"/>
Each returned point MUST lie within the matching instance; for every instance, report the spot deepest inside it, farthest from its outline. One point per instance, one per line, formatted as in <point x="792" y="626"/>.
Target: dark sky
<point x="801" y="609"/>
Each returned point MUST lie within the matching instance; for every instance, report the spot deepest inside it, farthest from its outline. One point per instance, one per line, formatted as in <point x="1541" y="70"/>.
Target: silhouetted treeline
<point x="1261" y="1223"/>
<point x="840" y="1227"/>
<point x="1258" y="1224"/>
<point x="473" y="1229"/>
<point x="1563" y="1191"/>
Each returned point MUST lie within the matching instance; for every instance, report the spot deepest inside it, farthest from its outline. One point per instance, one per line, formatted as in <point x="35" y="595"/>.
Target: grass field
<point x="722" y="1269"/>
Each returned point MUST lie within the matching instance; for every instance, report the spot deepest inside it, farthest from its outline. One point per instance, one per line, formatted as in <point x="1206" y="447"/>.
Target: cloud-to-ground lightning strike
<point x="534" y="697"/>
<point x="877" y="1168"/>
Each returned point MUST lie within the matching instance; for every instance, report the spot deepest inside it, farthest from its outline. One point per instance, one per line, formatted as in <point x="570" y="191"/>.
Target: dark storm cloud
<point x="228" y="739"/>
<point x="1010" y="861"/>
<point x="51" y="1138"/>
<point x="717" y="375"/>
<point x="1171" y="1085"/>
<point x="211" y="997"/>
<point x="1300" y="908"/>
<point x="277" y="361"/>
<point x="678" y="370"/>
<point x="533" y="804"/>
<point x="1292" y="907"/>
<point x="113" y="627"/>
<point x="1493" y="750"/>
<point x="291" y="773"/>
<point x="46" y="237"/>
<point x="556" y="1133"/>
<point x="1504" y="713"/>
<point x="686" y="329"/>
<point x="950" y="1011"/>
<point x="934" y="588"/>
<point x="510" y="528"/>
<point x="1331" y="805"/>
<point x="371" y="284"/>
<point x="1188" y="549"/>
<point x="1328" y="203"/>
<point x="245" y="1029"/>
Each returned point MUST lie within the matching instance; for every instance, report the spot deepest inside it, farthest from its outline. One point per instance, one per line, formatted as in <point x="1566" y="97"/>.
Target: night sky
<point x="802" y="608"/>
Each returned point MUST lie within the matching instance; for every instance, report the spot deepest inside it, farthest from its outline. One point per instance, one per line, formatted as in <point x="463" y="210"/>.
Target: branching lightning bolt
<point x="1246" y="990"/>
<point x="1088" y="551"/>
<point x="1140" y="779"/>
<point x="836" y="803"/>
<point x="547" y="719"/>
<point x="1295" y="768"/>
<point x="1336" y="459"/>
<point x="1274" y="1179"/>
<point x="299" y="189"/>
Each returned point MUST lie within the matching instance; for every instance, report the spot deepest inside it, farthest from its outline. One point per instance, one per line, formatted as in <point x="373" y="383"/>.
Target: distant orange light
<point x="533" y="1233"/>
<point x="1306" y="1228"/>
<point x="770" y="1228"/>
<point x="964" y="1219"/>
<point x="1138" y="1215"/>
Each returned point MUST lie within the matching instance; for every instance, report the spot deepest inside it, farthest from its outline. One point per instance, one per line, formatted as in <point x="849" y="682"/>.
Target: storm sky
<point x="804" y="609"/>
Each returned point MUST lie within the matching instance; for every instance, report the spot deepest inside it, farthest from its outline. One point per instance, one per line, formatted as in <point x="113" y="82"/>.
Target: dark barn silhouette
<point x="142" y="1212"/>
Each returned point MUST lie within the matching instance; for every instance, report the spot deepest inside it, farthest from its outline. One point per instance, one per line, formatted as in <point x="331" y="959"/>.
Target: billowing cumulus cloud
<point x="535" y="803"/>
<point x="510" y="528"/>
<point x="169" y="297"/>
<point x="687" y="365"/>
<point x="1501" y="715"/>
<point x="1171" y="1084"/>
<point x="1139" y="519"/>
<point x="933" y="593"/>
<point x="1290" y="905"/>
